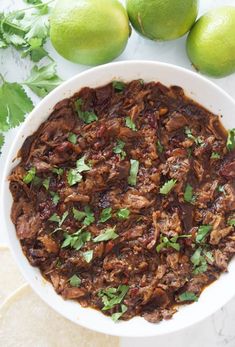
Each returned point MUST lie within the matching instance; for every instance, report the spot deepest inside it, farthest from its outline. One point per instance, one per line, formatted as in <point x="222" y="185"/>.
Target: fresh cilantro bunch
<point x="27" y="31"/>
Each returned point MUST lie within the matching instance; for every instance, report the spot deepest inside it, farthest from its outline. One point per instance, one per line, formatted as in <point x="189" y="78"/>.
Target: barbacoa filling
<point x="124" y="198"/>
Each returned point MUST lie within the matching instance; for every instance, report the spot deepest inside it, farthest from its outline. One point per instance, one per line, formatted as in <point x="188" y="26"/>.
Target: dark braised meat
<point x="125" y="199"/>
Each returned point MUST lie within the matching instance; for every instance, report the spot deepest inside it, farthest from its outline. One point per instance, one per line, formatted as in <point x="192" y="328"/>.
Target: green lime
<point x="89" y="32"/>
<point x="162" y="19"/>
<point x="211" y="42"/>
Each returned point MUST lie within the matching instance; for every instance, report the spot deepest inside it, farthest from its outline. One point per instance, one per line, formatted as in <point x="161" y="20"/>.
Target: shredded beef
<point x="124" y="198"/>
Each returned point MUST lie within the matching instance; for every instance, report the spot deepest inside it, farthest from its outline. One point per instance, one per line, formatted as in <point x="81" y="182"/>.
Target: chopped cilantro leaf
<point x="132" y="179"/>
<point x="55" y="197"/>
<point x="89" y="219"/>
<point x="231" y="140"/>
<point x="231" y="222"/>
<point x="107" y="234"/>
<point x="86" y="116"/>
<point x="167" y="186"/>
<point x="58" y="171"/>
<point x="81" y="166"/>
<point x="189" y="134"/>
<point x="46" y="183"/>
<point x="118" y="86"/>
<point x="72" y="138"/>
<point x="77" y="239"/>
<point x="118" y="149"/>
<point x="160" y="147"/>
<point x="203" y="230"/>
<point x="88" y="255"/>
<point x="78" y="215"/>
<point x="188" y="296"/>
<point x="188" y="193"/>
<point x="30" y="175"/>
<point x="75" y="281"/>
<point x="130" y="124"/>
<point x="74" y="175"/>
<point x="115" y="316"/>
<point x="112" y="296"/>
<point x="106" y="214"/>
<point x="123" y="213"/>
<point x="215" y="155"/>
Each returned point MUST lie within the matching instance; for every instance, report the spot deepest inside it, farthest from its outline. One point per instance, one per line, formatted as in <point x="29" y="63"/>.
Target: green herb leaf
<point x="165" y="243"/>
<point x="189" y="134"/>
<point x="78" y="215"/>
<point x="188" y="296"/>
<point x="73" y="177"/>
<point x="43" y="79"/>
<point x="112" y="296"/>
<point x="35" y="50"/>
<point x="81" y="166"/>
<point x="203" y="230"/>
<point x="54" y="218"/>
<point x="231" y="222"/>
<point x="160" y="147"/>
<point x="130" y="124"/>
<point x="123" y="213"/>
<point x="215" y="155"/>
<point x="75" y="281"/>
<point x="115" y="316"/>
<point x="72" y="138"/>
<point x="106" y="214"/>
<point x="46" y="183"/>
<point x="107" y="234"/>
<point x="199" y="261"/>
<point x="118" y="149"/>
<point x="57" y="219"/>
<point x="89" y="219"/>
<point x="28" y="178"/>
<point x="77" y="239"/>
<point x="86" y="116"/>
<point x="58" y="171"/>
<point x="132" y="179"/>
<point x="196" y="257"/>
<point x="55" y="198"/>
<point x="167" y="186"/>
<point x="231" y="140"/>
<point x="220" y="189"/>
<point x="88" y="255"/>
<point x="118" y="86"/>
<point x="14" y="105"/>
<point x="188" y="193"/>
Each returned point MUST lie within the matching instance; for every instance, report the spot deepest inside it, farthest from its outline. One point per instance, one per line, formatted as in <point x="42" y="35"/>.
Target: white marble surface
<point x="219" y="329"/>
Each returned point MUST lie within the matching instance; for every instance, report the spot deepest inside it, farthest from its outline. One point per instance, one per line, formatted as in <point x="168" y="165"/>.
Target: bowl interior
<point x="196" y="87"/>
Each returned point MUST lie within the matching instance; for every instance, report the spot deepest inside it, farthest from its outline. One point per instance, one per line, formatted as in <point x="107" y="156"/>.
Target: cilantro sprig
<point x="168" y="186"/>
<point x="86" y="116"/>
<point x="231" y="139"/>
<point x="112" y="296"/>
<point x="74" y="175"/>
<point x="188" y="296"/>
<point x="172" y="242"/>
<point x="130" y="124"/>
<point x="119" y="149"/>
<point x="106" y="234"/>
<point x="105" y="215"/>
<point x="132" y="179"/>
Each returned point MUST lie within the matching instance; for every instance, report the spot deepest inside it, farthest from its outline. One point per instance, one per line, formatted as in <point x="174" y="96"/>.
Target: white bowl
<point x="195" y="86"/>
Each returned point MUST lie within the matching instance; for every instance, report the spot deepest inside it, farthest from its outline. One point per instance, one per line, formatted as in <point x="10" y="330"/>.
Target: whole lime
<point x="89" y="32"/>
<point x="162" y="19"/>
<point x="211" y="42"/>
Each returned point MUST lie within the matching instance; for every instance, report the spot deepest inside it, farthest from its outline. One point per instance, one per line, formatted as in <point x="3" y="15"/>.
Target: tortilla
<point x="26" y="321"/>
<point x="10" y="276"/>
